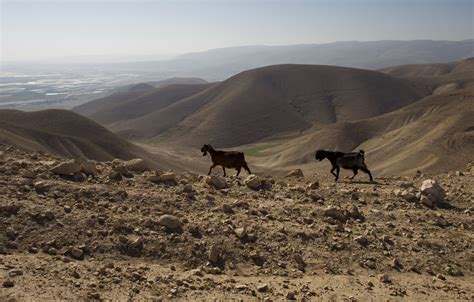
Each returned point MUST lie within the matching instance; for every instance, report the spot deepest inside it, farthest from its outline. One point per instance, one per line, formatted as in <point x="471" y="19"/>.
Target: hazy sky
<point x="38" y="29"/>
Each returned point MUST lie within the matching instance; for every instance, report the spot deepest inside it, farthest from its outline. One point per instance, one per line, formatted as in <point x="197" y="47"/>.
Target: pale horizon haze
<point x="35" y="30"/>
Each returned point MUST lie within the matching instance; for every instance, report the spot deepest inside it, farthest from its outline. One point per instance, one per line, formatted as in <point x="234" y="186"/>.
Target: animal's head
<point x="205" y="149"/>
<point x="320" y="155"/>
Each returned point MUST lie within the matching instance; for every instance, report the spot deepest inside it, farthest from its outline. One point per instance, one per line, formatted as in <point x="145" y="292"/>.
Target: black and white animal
<point x="351" y="161"/>
<point x="226" y="159"/>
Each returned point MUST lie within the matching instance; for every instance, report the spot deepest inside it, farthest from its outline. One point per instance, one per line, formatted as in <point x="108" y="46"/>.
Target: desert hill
<point x="67" y="134"/>
<point x="272" y="101"/>
<point x="442" y="77"/>
<point x="136" y="103"/>
<point x="441" y="70"/>
<point x="407" y="118"/>
<point x="434" y="134"/>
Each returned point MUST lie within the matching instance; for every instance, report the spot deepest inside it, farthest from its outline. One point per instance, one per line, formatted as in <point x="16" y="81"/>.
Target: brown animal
<point x="352" y="161"/>
<point x="226" y="159"/>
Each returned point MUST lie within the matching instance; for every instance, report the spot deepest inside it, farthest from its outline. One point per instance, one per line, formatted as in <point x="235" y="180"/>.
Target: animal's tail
<point x="361" y="152"/>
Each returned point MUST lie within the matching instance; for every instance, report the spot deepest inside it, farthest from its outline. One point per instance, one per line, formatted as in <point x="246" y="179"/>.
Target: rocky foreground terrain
<point x="126" y="233"/>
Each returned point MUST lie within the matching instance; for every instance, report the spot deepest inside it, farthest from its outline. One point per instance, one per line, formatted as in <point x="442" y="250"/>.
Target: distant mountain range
<point x="219" y="64"/>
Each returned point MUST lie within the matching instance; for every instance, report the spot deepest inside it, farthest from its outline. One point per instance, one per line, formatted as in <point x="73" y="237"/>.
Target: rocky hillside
<point x="128" y="233"/>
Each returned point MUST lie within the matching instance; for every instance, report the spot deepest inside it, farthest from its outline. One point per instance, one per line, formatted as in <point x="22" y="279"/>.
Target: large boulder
<point x="253" y="182"/>
<point x="137" y="165"/>
<point x="432" y="191"/>
<point x="70" y="167"/>
<point x="73" y="167"/>
<point x="217" y="182"/>
<point x="88" y="167"/>
<point x="169" y="221"/>
<point x="166" y="178"/>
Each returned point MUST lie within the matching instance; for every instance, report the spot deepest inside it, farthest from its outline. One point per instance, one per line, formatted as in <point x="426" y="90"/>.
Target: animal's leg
<point x="223" y="168"/>
<point x="332" y="171"/>
<point x="238" y="171"/>
<point x="337" y="173"/>
<point x="247" y="168"/>
<point x="355" y="173"/>
<point x="210" y="169"/>
<point x="368" y="172"/>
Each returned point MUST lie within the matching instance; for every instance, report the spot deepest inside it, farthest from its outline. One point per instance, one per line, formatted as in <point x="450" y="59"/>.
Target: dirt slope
<point x="442" y="78"/>
<point x="434" y="134"/>
<point x="103" y="239"/>
<point x="273" y="100"/>
<point x="65" y="133"/>
<point x="123" y="106"/>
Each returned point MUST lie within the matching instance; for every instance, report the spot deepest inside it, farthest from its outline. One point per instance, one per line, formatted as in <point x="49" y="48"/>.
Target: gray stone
<point x="241" y="232"/>
<point x="433" y="191"/>
<point x="253" y="182"/>
<point x="67" y="168"/>
<point x="335" y="213"/>
<point x="137" y="165"/>
<point x="213" y="254"/>
<point x="216" y="182"/>
<point x="169" y="221"/>
<point x="76" y="253"/>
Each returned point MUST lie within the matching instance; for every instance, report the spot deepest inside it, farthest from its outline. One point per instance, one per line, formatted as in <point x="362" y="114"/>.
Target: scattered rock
<point x="362" y="240"/>
<point x="72" y="167"/>
<point x="353" y="212"/>
<point x="76" y="253"/>
<point x="433" y="191"/>
<point x="297" y="173"/>
<point x="217" y="182"/>
<point x="262" y="287"/>
<point x="409" y="196"/>
<point x="291" y="296"/>
<point x="79" y="176"/>
<point x="427" y="202"/>
<point x="253" y="182"/>
<point x="299" y="261"/>
<point x="335" y="213"/>
<point x="8" y="283"/>
<point x="396" y="264"/>
<point x="384" y="278"/>
<point x="241" y="232"/>
<point x="29" y="174"/>
<point x="188" y="188"/>
<point x="16" y="272"/>
<point x="169" y="221"/>
<point x="213" y="254"/>
<point x="67" y="168"/>
<point x="227" y="208"/>
<point x="313" y="185"/>
<point x="115" y="175"/>
<point x="136" y="165"/>
<point x="168" y="177"/>
<point x="88" y="167"/>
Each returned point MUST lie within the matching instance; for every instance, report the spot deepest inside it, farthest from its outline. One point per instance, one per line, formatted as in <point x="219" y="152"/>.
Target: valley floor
<point x="104" y="239"/>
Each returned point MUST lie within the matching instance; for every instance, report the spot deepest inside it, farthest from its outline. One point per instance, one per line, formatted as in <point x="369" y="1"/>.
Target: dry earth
<point x="106" y="239"/>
